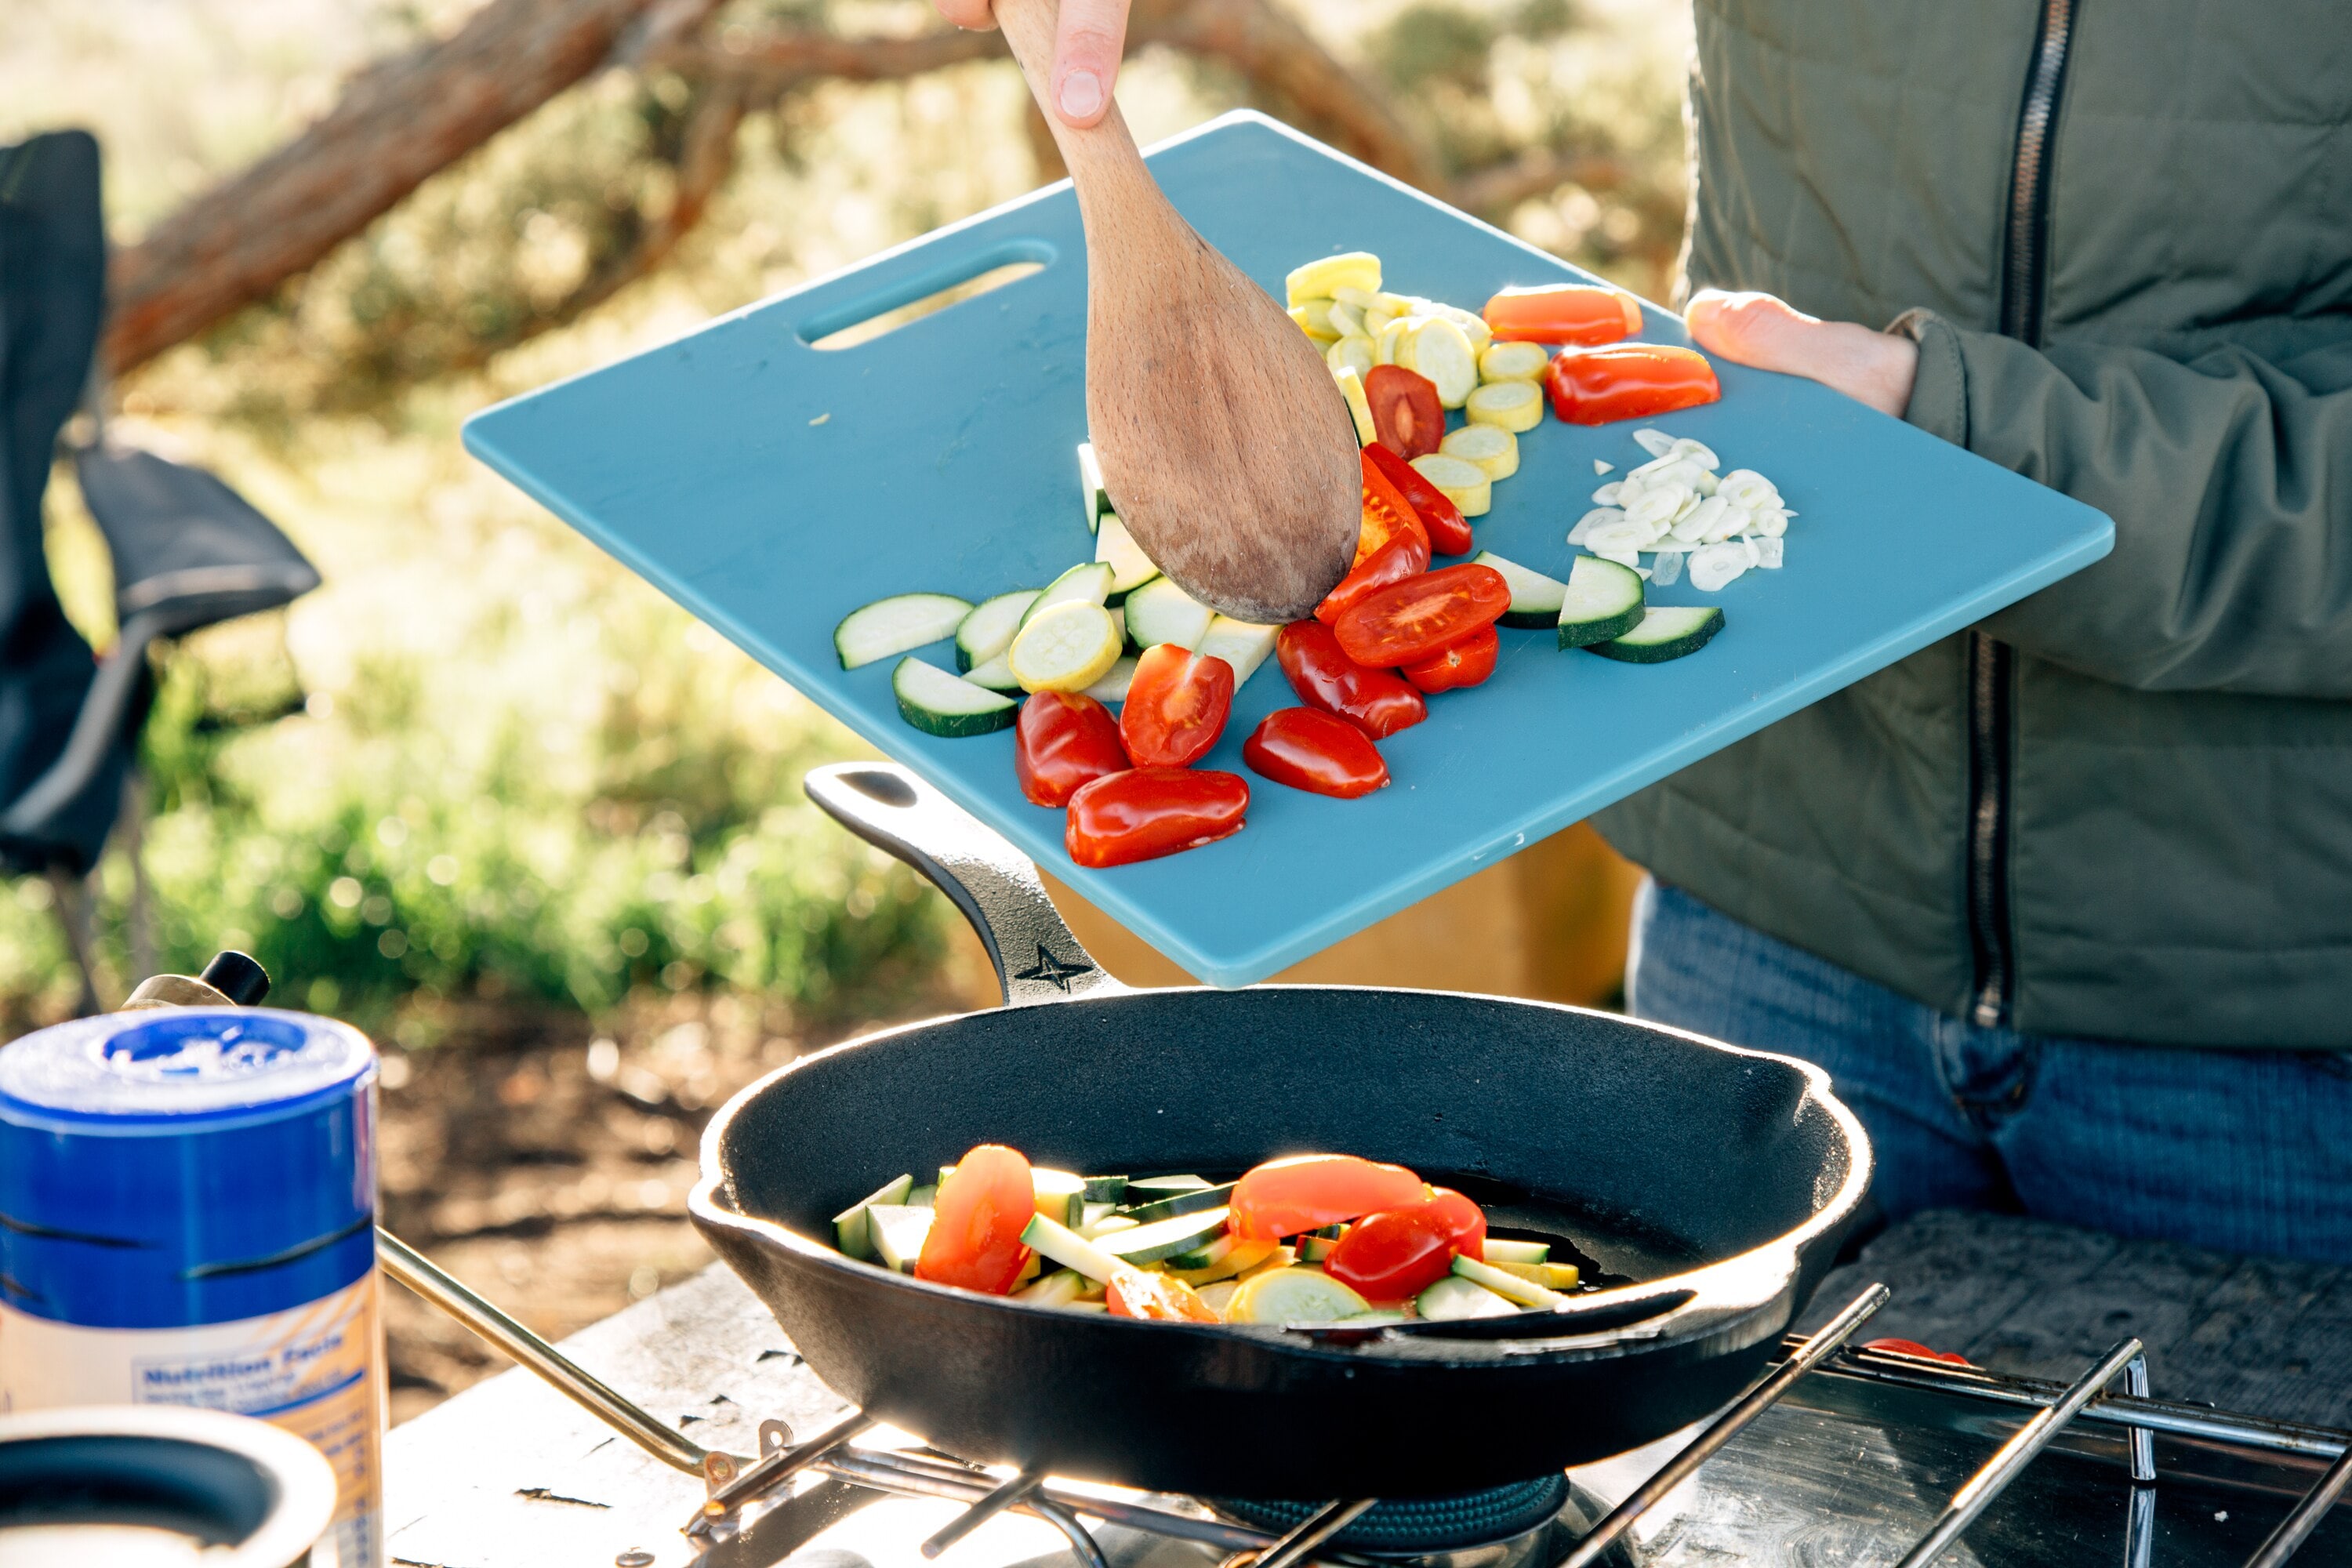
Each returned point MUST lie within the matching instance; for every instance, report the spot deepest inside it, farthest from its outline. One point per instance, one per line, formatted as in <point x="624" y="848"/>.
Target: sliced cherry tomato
<point x="1912" y="1347"/>
<point x="1175" y="706"/>
<point x="1401" y="1252"/>
<point x="1063" y="739"/>
<point x="1422" y="615"/>
<point x="1628" y="380"/>
<point x="1449" y="531"/>
<point x="1136" y="1294"/>
<point x="1406" y="413"/>
<point x="1145" y="813"/>
<point x="1380" y="702"/>
<point x="983" y="1208"/>
<point x="1307" y="1192"/>
<point x="1406" y="555"/>
<point x="1387" y="514"/>
<point x="1562" y="313"/>
<point x="1312" y="751"/>
<point x="1465" y="663"/>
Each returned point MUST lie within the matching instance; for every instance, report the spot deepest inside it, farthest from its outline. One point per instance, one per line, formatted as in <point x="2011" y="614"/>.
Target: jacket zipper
<point x="1992" y="666"/>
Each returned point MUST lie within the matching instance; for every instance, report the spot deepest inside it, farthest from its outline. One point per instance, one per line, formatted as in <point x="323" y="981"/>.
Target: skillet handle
<point x="1036" y="958"/>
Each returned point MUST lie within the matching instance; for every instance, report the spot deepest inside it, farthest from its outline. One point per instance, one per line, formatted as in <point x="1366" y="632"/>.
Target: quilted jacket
<point x="2122" y="235"/>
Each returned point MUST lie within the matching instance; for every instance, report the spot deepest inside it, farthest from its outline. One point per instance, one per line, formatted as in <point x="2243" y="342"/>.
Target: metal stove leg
<point x="2139" y="1523"/>
<point x="1725" y="1428"/>
<point x="1082" y="1542"/>
<point x="1294" y="1549"/>
<point x="980" y="1512"/>
<point x="2009" y="1462"/>
<point x="731" y="1488"/>
<point x="2297" y="1527"/>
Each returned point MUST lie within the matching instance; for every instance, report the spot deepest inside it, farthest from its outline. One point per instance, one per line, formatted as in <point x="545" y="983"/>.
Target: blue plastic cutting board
<point x="771" y="487"/>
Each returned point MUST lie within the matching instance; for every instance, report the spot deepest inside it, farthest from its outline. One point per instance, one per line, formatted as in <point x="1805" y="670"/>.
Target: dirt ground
<point x="546" y="1162"/>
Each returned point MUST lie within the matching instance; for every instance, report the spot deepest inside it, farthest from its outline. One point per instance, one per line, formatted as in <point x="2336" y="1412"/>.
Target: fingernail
<point x="1082" y="95"/>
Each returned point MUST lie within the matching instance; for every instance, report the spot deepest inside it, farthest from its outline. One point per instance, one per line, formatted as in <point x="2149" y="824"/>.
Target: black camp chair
<point x="188" y="552"/>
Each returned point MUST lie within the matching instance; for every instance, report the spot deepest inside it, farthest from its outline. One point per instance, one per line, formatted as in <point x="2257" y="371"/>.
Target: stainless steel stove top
<point x="1853" y="1463"/>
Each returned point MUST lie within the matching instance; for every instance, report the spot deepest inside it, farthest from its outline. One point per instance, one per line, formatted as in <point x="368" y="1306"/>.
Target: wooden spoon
<point x="1224" y="443"/>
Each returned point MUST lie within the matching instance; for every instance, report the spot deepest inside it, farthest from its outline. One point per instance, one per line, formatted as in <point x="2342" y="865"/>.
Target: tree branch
<point x="396" y="124"/>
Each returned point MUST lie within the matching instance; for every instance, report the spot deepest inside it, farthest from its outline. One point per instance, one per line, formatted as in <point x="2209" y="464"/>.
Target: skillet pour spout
<point x="1717" y="1180"/>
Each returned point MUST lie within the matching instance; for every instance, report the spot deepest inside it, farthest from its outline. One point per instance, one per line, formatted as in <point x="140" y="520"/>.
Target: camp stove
<point x="1846" y="1455"/>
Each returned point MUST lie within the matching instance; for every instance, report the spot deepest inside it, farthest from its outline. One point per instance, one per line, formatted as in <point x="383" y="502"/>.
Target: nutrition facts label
<point x="313" y="1369"/>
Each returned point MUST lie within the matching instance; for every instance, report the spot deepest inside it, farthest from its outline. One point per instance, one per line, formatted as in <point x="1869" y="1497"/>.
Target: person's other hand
<point x="1088" y="41"/>
<point x="1876" y="368"/>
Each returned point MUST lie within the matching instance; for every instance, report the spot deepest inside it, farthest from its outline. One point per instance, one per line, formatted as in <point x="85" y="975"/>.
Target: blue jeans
<point x="2241" y="1151"/>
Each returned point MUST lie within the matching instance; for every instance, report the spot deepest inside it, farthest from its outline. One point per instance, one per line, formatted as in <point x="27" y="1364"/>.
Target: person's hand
<point x="1876" y="368"/>
<point x="1088" y="41"/>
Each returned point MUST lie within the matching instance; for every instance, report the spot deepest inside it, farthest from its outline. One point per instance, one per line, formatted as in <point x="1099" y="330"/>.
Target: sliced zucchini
<point x="988" y="630"/>
<point x="1092" y="1215"/>
<point x="923" y="1197"/>
<point x="1218" y="1294"/>
<point x="1293" y="1295"/>
<point x="1316" y="1248"/>
<point x="939" y="703"/>
<point x="1242" y="644"/>
<point x="1469" y="323"/>
<point x="900" y="624"/>
<point x="1164" y="1238"/>
<point x="1112" y="688"/>
<point x="1359" y="407"/>
<point x="899" y="1231"/>
<point x="1491" y="449"/>
<point x="1071" y="1250"/>
<point x="1090" y="485"/>
<point x="1377" y="1316"/>
<point x="1106" y="1189"/>
<point x="1107" y="1223"/>
<point x="1059" y="1288"/>
<point x="1393" y="340"/>
<point x="1514" y="406"/>
<point x="996" y="674"/>
<point x="1513" y="361"/>
<point x="1148" y="1189"/>
<point x="1323" y="277"/>
<point x="1501" y="1249"/>
<point x="1116" y="549"/>
<point x="1192" y="1201"/>
<point x="1453" y="1296"/>
<point x="1067" y="648"/>
<point x="1550" y="1276"/>
<point x="1604" y="601"/>
<point x="1353" y="352"/>
<point x="1464" y="484"/>
<point x="850" y="1231"/>
<point x="1443" y="352"/>
<point x="1160" y="612"/>
<point x="1087" y="582"/>
<point x="1535" y="598"/>
<point x="1231" y="1262"/>
<point x="1061" y="1194"/>
<point x="1029" y="1270"/>
<point x="1505" y="1284"/>
<point x="1665" y="633"/>
<point x="1207" y="1255"/>
<point x="1314" y="319"/>
<point x="1084" y="1306"/>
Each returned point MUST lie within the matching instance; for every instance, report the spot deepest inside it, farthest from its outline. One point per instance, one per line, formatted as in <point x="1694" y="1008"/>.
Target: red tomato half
<point x="1387" y="515"/>
<point x="1063" y="739"/>
<point x="1406" y="413"/>
<point x="1315" y="752"/>
<point x="1175" y="706"/>
<point x="1466" y="663"/>
<point x="1380" y="702"/>
<point x="1562" y="313"/>
<point x="1449" y="531"/>
<point x="1406" y="555"/>
<point x="1145" y="813"/>
<point x="977" y="1219"/>
<point x="1136" y="1294"/>
<point x="1307" y="1192"/>
<point x="1422" y="615"/>
<point x="1628" y="380"/>
<point x="1402" y="1252"/>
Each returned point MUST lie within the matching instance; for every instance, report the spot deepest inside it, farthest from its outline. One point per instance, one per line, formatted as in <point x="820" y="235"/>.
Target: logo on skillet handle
<point x="1055" y="971"/>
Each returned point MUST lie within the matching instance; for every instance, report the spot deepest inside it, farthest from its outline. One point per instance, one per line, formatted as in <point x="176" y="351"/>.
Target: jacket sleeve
<point x="2230" y="481"/>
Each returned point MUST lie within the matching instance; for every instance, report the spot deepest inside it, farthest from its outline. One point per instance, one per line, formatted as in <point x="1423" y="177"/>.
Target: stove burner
<point x="1415" y="1526"/>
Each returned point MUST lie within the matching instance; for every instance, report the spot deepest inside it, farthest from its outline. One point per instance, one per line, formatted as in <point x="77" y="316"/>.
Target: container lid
<point x="134" y="1072"/>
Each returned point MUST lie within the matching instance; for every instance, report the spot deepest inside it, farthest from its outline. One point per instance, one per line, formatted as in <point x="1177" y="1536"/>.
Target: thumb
<point x="1088" y="40"/>
<point x="1752" y="328"/>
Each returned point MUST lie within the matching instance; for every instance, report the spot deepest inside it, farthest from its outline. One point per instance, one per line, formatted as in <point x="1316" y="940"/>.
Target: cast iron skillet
<point x="1717" y="1180"/>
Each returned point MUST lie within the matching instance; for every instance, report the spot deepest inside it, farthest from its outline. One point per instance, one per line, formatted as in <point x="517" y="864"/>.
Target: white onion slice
<point x="1592" y="519"/>
<point x="1600" y="467"/>
<point x="1771" y="553"/>
<point x="1718" y="564"/>
<point x="1655" y="442"/>
<point x="1668" y="570"/>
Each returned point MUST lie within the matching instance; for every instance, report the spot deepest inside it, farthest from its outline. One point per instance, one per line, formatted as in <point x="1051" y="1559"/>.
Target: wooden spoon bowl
<point x="1224" y="443"/>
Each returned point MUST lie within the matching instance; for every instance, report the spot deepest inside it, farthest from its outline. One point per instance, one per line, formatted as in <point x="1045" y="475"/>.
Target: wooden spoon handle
<point x="1113" y="186"/>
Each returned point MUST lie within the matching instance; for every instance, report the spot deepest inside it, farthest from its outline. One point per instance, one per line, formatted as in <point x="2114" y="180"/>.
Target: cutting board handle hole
<point x="875" y="315"/>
